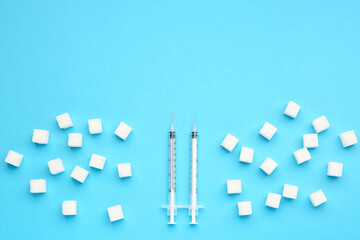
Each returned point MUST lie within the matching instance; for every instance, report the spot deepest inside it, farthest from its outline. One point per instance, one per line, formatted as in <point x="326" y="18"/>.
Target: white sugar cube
<point x="64" y="121"/>
<point x="267" y="131"/>
<point x="290" y="191"/>
<point x="229" y="142"/>
<point x="335" y="169"/>
<point x="292" y="109"/>
<point x="302" y="155"/>
<point x="14" y="158"/>
<point x="246" y="155"/>
<point x="75" y="140"/>
<point x="244" y="208"/>
<point x="310" y="140"/>
<point x="95" y="126"/>
<point x="233" y="186"/>
<point x="123" y="131"/>
<point x="79" y="174"/>
<point x="38" y="186"/>
<point x="348" y="138"/>
<point x="97" y="161"/>
<point x="273" y="200"/>
<point x="320" y="124"/>
<point x="115" y="213"/>
<point x="40" y="136"/>
<point x="317" y="198"/>
<point x="56" y="166"/>
<point x="268" y="166"/>
<point x="69" y="208"/>
<point x="124" y="170"/>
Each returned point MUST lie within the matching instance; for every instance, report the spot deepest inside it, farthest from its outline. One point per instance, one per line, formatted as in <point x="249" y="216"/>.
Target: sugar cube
<point x="124" y="170"/>
<point x="320" y="124"/>
<point x="310" y="140"/>
<point x="14" y="158"/>
<point x="233" y="186"/>
<point x="79" y="174"/>
<point x="267" y="131"/>
<point x="56" y="166"/>
<point x="273" y="200"/>
<point x="229" y="142"/>
<point x="115" y="213"/>
<point x="302" y="155"/>
<point x="75" y="140"/>
<point x="64" y="121"/>
<point x="40" y="136"/>
<point x="317" y="198"/>
<point x="292" y="109"/>
<point x="268" y="166"/>
<point x="123" y="131"/>
<point x="244" y="208"/>
<point x="290" y="191"/>
<point x="97" y="161"/>
<point x="38" y="186"/>
<point x="95" y="126"/>
<point x="348" y="138"/>
<point x="246" y="155"/>
<point x="69" y="208"/>
<point x="335" y="169"/>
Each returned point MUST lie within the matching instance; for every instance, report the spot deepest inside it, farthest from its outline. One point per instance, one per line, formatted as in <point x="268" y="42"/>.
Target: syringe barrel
<point x="194" y="148"/>
<point x="172" y="177"/>
<point x="172" y="163"/>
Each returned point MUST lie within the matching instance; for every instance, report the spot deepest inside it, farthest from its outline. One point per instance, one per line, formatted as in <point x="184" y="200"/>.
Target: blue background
<point x="235" y="63"/>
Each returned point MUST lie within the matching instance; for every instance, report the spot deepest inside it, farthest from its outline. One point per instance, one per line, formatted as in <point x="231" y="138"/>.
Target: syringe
<point x="193" y="208"/>
<point x="171" y="208"/>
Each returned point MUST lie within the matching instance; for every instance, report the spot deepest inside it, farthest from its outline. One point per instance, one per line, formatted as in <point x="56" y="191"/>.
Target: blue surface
<point x="235" y="64"/>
